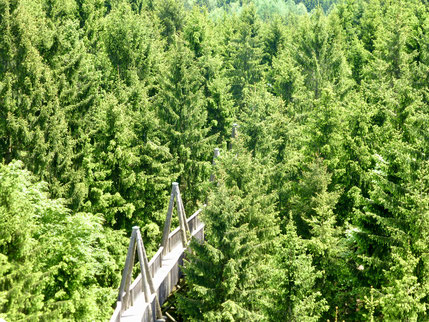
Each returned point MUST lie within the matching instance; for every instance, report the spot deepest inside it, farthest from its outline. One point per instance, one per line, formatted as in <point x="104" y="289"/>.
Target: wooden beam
<point x="182" y="212"/>
<point x="148" y="275"/>
<point x="167" y="224"/>
<point x="129" y="262"/>
<point x="181" y="221"/>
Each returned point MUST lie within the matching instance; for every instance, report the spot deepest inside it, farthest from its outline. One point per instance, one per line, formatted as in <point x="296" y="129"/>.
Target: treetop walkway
<point x="141" y="299"/>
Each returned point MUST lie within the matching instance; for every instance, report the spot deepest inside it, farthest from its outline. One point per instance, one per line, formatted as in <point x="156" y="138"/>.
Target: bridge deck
<point x="165" y="272"/>
<point x="167" y="275"/>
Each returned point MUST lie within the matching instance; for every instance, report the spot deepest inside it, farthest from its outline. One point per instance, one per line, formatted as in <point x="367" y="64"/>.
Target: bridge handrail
<point x="116" y="316"/>
<point x="156" y="262"/>
<point x="193" y="225"/>
<point x="174" y="238"/>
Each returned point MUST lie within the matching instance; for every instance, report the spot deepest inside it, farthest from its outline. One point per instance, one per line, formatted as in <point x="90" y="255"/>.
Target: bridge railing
<point x="170" y="240"/>
<point x="174" y="240"/>
<point x="156" y="262"/>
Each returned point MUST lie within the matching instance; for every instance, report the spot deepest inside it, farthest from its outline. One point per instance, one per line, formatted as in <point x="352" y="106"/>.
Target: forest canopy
<point x="320" y="207"/>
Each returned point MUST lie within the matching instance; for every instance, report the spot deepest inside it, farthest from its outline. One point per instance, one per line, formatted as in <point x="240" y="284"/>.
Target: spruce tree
<point x="244" y="52"/>
<point x="201" y="37"/>
<point x="228" y="275"/>
<point x="33" y="126"/>
<point x="183" y="122"/>
<point x="296" y="297"/>
<point x="317" y="49"/>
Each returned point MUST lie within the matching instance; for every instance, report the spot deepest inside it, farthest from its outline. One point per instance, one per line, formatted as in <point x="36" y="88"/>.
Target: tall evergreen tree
<point x="244" y="52"/>
<point x="183" y="120"/>
<point x="201" y="38"/>
<point x="317" y="49"/>
<point x="296" y="297"/>
<point x="228" y="274"/>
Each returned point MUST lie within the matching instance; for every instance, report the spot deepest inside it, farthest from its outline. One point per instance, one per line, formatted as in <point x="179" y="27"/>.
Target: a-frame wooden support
<point x="175" y="195"/>
<point x="136" y="243"/>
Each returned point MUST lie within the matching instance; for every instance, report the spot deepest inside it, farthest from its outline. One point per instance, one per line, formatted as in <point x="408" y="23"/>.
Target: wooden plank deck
<point x="165" y="272"/>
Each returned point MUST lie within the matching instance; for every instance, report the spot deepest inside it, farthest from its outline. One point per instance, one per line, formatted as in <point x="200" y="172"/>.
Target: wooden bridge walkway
<point x="141" y="300"/>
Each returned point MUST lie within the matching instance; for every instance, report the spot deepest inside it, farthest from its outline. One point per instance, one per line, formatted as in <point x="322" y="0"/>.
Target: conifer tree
<point x="183" y="121"/>
<point x="200" y="35"/>
<point x="244" y="52"/>
<point x="317" y="50"/>
<point x="296" y="297"/>
<point x="385" y="210"/>
<point x="171" y="16"/>
<point x="274" y="40"/>
<point x="33" y="127"/>
<point x="403" y="295"/>
<point x="77" y="92"/>
<point x="228" y="274"/>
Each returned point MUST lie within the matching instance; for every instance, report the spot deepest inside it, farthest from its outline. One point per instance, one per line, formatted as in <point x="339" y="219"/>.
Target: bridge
<point x="141" y="299"/>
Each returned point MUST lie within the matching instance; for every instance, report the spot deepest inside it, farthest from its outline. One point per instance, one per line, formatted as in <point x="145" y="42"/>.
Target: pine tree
<point x="244" y="52"/>
<point x="33" y="126"/>
<point x="183" y="121"/>
<point x="385" y="212"/>
<point x="127" y="170"/>
<point x="274" y="40"/>
<point x="228" y="274"/>
<point x="317" y="49"/>
<point x="257" y="121"/>
<point x="171" y="16"/>
<point x="403" y="294"/>
<point x="296" y="297"/>
<point x="200" y="36"/>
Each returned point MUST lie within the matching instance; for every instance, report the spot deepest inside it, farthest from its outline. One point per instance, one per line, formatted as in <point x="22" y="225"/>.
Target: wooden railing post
<point x="128" y="269"/>
<point x="181" y="221"/>
<point x="142" y="268"/>
<point x="175" y="194"/>
<point x="167" y="224"/>
<point x="233" y="135"/>
<point x="146" y="276"/>
<point x="234" y="131"/>
<point x="182" y="208"/>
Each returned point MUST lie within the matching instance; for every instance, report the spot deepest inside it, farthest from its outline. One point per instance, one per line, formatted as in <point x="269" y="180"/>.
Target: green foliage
<point x="108" y="102"/>
<point x="183" y="120"/>
<point x="228" y="274"/>
<point x="171" y="16"/>
<point x="296" y="296"/>
<point x="314" y="4"/>
<point x="317" y="50"/>
<point x="58" y="265"/>
<point x="201" y="38"/>
<point x="244" y="53"/>
<point x="403" y="294"/>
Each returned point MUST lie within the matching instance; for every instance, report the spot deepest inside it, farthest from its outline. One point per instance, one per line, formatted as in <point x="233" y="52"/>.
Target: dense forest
<point x="320" y="210"/>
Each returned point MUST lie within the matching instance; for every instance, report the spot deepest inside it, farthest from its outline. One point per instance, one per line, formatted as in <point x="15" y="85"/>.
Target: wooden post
<point x="215" y="156"/>
<point x="234" y="131"/>
<point x="233" y="134"/>
<point x="148" y="275"/>
<point x="146" y="290"/>
<point x="183" y="214"/>
<point x="128" y="269"/>
<point x="181" y="222"/>
<point x="167" y="224"/>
